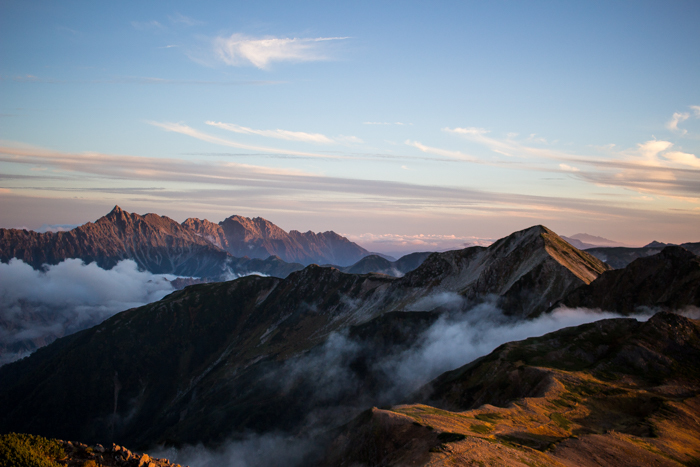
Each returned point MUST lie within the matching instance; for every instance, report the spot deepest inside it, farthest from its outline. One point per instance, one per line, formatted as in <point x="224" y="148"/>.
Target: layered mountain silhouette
<point x="619" y="257"/>
<point x="157" y="244"/>
<point x="584" y="241"/>
<point x="668" y="280"/>
<point x="381" y="265"/>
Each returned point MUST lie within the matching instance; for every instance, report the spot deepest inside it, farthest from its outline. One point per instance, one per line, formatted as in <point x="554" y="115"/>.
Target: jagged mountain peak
<point x="540" y="238"/>
<point x="116" y="210"/>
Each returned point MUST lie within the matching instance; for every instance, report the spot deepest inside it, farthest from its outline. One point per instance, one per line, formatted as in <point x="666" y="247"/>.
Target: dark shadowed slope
<point x="619" y="257"/>
<point x="668" y="280"/>
<point x="380" y="265"/>
<point x="181" y="368"/>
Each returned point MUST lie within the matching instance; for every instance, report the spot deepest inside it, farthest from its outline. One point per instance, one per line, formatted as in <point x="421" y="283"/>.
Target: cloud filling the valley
<point x="38" y="306"/>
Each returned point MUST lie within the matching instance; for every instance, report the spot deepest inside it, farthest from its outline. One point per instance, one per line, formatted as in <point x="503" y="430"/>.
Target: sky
<point x="394" y="123"/>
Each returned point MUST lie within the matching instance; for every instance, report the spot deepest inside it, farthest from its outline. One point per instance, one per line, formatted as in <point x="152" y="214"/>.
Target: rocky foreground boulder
<point x="23" y="450"/>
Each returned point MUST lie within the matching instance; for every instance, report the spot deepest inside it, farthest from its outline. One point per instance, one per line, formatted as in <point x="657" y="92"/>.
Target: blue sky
<point x="380" y="120"/>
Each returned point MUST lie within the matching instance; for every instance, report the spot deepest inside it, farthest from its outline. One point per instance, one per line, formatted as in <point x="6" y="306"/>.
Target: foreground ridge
<point x="614" y="392"/>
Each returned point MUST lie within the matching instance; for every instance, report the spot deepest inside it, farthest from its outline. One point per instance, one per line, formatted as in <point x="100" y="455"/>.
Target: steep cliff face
<point x="157" y="244"/>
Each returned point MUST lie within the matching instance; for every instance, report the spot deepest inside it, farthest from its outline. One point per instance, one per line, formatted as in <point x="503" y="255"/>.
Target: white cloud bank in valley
<point x="37" y="307"/>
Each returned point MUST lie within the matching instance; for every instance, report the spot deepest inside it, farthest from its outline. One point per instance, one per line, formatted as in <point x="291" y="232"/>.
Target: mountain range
<point x="306" y="354"/>
<point x="195" y="248"/>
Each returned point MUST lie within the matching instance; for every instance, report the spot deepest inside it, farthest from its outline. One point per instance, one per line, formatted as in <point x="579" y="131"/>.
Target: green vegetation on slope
<point x="21" y="450"/>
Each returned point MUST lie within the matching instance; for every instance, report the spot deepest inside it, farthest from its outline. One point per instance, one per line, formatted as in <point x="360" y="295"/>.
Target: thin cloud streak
<point x="239" y="50"/>
<point x="179" y="18"/>
<point x="277" y="134"/>
<point x="189" y="131"/>
<point x="442" y="152"/>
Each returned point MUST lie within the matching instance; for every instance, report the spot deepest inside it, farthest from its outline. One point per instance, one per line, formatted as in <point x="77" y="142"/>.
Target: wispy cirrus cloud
<point x="241" y="50"/>
<point x="179" y="18"/>
<point x="650" y="167"/>
<point x="189" y="131"/>
<point x="284" y="134"/>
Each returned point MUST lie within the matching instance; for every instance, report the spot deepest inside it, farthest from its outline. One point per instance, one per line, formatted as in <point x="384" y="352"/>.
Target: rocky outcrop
<point x="80" y="454"/>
